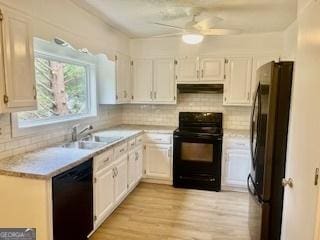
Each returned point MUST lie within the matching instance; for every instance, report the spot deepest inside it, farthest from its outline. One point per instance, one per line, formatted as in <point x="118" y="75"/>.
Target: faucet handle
<point x="76" y="126"/>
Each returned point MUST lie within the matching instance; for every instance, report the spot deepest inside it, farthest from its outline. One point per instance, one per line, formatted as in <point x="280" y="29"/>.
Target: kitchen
<point x="133" y="89"/>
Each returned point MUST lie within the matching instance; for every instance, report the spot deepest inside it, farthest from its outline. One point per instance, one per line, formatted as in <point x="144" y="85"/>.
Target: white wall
<point x="290" y="41"/>
<point x="64" y="19"/>
<point x="303" y="143"/>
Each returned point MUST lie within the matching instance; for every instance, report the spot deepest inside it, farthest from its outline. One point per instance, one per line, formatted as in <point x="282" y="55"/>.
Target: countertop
<point x="49" y="162"/>
<point x="236" y="133"/>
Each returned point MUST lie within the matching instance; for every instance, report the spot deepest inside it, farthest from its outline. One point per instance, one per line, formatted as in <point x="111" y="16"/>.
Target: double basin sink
<point x="92" y="142"/>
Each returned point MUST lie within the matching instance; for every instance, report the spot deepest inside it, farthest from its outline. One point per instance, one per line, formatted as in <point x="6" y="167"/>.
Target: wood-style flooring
<point x="160" y="212"/>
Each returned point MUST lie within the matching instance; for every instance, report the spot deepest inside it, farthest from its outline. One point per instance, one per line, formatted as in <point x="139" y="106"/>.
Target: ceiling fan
<point x="194" y="31"/>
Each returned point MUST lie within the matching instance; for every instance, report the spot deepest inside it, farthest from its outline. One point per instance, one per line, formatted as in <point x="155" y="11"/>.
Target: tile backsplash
<point x="233" y="117"/>
<point x="109" y="115"/>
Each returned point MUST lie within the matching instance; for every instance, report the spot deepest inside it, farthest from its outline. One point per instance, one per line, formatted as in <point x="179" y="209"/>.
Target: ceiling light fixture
<point x="192" y="38"/>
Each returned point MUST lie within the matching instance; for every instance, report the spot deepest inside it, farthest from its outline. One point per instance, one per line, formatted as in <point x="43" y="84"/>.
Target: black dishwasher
<point x="73" y="203"/>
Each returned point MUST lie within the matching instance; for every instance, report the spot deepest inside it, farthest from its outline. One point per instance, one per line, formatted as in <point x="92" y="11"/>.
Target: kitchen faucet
<point x="75" y="134"/>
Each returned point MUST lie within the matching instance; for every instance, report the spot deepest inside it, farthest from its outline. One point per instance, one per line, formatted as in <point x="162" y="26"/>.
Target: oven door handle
<point x="211" y="139"/>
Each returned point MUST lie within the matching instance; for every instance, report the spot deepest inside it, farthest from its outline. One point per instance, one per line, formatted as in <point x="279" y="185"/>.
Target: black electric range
<point x="197" y="151"/>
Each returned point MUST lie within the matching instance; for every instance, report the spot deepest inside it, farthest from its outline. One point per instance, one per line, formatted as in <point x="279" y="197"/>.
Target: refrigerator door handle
<point x="252" y="192"/>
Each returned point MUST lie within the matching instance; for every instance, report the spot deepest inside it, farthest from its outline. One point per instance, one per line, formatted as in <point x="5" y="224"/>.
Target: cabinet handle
<point x="150" y="94"/>
<point x="106" y="160"/>
<point x="169" y="152"/>
<point x="121" y="150"/>
<point x="155" y="94"/>
<point x="34" y="92"/>
<point x="248" y="96"/>
<point x="125" y="94"/>
<point x="113" y="173"/>
<point x="202" y="73"/>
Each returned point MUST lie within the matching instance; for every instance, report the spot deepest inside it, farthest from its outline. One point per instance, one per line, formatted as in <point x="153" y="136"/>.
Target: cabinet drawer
<point x="103" y="160"/>
<point x="157" y="138"/>
<point x="139" y="140"/>
<point x="120" y="149"/>
<point x="131" y="143"/>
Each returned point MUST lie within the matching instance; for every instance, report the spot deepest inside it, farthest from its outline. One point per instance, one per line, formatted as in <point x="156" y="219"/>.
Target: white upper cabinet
<point x="163" y="80"/>
<point x="123" y="76"/>
<point x="211" y="69"/>
<point x="188" y="70"/>
<point x="200" y="70"/>
<point x="142" y="73"/>
<point x="19" y="90"/>
<point x="114" y="79"/>
<point x="237" y="88"/>
<point x="153" y="81"/>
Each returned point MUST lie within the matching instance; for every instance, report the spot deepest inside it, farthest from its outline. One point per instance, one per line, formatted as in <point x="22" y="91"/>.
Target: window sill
<point x="45" y="126"/>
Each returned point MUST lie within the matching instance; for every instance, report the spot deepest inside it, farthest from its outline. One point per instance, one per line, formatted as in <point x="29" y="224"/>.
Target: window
<point x="64" y="89"/>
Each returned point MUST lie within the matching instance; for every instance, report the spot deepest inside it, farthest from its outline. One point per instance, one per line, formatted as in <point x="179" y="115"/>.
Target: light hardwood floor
<point x="160" y="212"/>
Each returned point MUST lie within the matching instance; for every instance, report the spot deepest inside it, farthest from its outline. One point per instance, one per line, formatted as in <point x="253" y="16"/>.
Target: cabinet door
<point x="188" y="70"/>
<point x="121" y="178"/>
<point x="104" y="194"/>
<point x="237" y="89"/>
<point x="237" y="167"/>
<point x="142" y="80"/>
<point x="212" y="69"/>
<point x="139" y="163"/>
<point x="132" y="169"/>
<point x="258" y="61"/>
<point x="18" y="61"/>
<point x="123" y="78"/>
<point x="158" y="161"/>
<point x="163" y="80"/>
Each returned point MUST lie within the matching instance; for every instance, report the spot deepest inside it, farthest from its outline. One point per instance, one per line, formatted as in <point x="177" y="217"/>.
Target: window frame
<point x="68" y="55"/>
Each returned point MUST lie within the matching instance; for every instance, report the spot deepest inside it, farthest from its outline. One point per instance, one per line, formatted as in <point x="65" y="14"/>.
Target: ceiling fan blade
<point x="220" y="31"/>
<point x="207" y="23"/>
<point x="167" y="35"/>
<point x="167" y="25"/>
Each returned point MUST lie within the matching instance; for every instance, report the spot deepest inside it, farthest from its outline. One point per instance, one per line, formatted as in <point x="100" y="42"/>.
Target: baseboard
<point x="158" y="181"/>
<point x="233" y="188"/>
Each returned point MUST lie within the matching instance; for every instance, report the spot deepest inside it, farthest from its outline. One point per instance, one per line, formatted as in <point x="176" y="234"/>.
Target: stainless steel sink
<point x="101" y="139"/>
<point x="83" y="145"/>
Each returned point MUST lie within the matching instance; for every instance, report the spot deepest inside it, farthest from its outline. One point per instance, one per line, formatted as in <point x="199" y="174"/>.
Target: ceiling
<point x="135" y="17"/>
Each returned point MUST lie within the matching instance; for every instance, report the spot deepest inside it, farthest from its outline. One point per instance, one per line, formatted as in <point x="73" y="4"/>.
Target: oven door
<point x="197" y="162"/>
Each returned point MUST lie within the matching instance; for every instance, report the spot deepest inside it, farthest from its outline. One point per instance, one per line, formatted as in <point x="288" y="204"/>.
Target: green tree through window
<point x="62" y="90"/>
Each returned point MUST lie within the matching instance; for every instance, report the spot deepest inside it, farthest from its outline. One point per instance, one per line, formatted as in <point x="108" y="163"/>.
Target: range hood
<point x="200" y="88"/>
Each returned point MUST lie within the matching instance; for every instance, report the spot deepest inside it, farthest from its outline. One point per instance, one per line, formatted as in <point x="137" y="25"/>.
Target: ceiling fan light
<point x="192" y="38"/>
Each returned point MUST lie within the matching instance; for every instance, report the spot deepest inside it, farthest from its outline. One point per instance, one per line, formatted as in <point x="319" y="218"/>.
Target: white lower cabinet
<point x="158" y="161"/>
<point x="135" y="167"/>
<point x="116" y="173"/>
<point x="104" y="194"/>
<point x="237" y="167"/>
<point x="236" y="163"/>
<point x="121" y="178"/>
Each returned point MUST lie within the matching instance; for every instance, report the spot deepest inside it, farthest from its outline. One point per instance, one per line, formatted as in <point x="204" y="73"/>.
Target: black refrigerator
<point x="269" y="129"/>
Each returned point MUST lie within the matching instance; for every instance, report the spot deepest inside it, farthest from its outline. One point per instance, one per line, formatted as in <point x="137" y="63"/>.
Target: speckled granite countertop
<point x="48" y="162"/>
